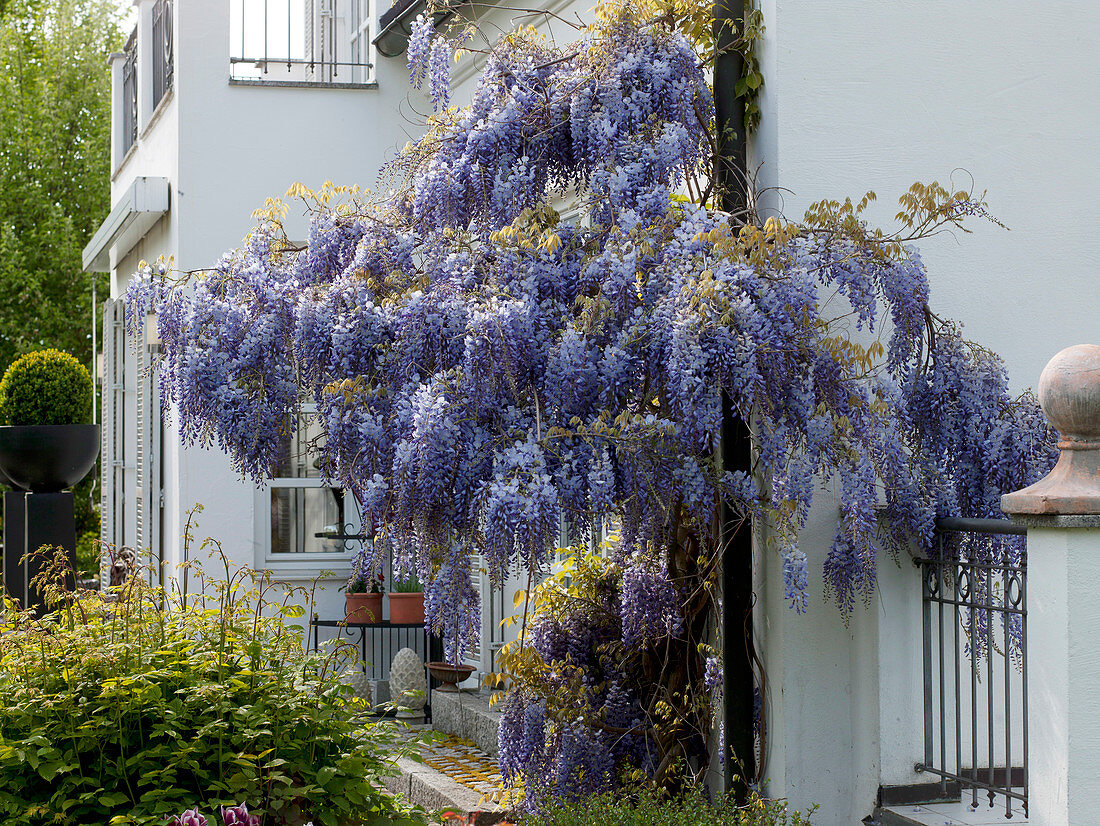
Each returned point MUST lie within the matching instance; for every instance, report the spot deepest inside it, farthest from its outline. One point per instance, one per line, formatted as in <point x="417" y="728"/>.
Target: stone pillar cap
<point x="1069" y="392"/>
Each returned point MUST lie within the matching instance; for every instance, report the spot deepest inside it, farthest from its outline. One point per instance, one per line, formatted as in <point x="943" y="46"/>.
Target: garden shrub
<point x="645" y="809"/>
<point x="87" y="554"/>
<point x="132" y="706"/>
<point x="45" y="387"/>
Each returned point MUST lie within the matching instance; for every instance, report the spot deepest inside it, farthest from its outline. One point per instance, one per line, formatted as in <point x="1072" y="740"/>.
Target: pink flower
<point x="239" y="816"/>
<point x="189" y="818"/>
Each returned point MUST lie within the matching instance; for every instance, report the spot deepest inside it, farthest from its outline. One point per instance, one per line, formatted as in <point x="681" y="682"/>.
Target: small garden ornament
<point x="408" y="684"/>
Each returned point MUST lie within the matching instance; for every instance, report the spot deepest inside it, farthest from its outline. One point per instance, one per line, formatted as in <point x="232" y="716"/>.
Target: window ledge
<point x="125" y="159"/>
<point x="161" y="106"/>
<point x="303" y="84"/>
<point x="307" y="572"/>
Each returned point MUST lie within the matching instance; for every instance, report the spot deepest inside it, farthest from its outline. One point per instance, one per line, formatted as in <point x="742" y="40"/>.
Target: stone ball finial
<point x="1069" y="392"/>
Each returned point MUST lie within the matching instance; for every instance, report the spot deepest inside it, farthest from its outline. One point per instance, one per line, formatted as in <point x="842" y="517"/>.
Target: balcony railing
<point x="129" y="94"/>
<point x="162" y="49"/>
<point x="975" y="667"/>
<point x="301" y="41"/>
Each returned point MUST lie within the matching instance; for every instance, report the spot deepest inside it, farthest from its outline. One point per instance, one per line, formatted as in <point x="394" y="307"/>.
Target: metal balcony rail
<point x="301" y="42"/>
<point x="129" y="93"/>
<point x="162" y="49"/>
<point x="975" y="666"/>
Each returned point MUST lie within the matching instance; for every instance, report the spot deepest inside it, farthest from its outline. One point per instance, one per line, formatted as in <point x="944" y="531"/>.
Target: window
<point x="300" y="42"/>
<point x="359" y="29"/>
<point x="162" y="49"/>
<point x="129" y="94"/>
<point x="307" y="521"/>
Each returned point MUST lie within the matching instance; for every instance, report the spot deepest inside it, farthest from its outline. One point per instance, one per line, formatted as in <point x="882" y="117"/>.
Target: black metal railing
<point x="378" y="643"/>
<point x="301" y="41"/>
<point x="129" y="94"/>
<point x="162" y="49"/>
<point x="975" y="662"/>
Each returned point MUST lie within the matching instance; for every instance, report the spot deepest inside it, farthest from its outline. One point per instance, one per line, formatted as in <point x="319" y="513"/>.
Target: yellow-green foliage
<point x="692" y="809"/>
<point x="131" y="706"/>
<point x="580" y="583"/>
<point x="46" y="387"/>
<point x="87" y="553"/>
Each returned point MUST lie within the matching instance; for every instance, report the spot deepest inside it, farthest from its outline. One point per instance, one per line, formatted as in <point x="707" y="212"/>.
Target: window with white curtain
<point x="307" y="519"/>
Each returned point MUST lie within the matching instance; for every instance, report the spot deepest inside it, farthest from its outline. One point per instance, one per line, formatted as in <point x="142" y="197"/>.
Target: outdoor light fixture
<point x="152" y="333"/>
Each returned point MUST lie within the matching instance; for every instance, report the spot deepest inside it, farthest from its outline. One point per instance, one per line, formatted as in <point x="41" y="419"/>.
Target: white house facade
<point x="874" y="96"/>
<point x="858" y="96"/>
<point x="210" y="119"/>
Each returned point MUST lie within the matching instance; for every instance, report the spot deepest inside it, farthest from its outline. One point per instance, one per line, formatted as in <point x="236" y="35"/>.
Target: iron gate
<point x="975" y="662"/>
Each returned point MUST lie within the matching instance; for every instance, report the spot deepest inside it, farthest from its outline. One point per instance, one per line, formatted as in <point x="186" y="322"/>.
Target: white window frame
<point x="304" y="564"/>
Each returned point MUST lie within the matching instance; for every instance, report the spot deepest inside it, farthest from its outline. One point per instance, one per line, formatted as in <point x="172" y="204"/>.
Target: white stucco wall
<point x="864" y="95"/>
<point x="225" y="149"/>
<point x="242" y="145"/>
<point x="873" y="96"/>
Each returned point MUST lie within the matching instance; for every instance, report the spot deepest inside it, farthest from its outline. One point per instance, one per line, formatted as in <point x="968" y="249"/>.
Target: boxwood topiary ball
<point x="46" y="387"/>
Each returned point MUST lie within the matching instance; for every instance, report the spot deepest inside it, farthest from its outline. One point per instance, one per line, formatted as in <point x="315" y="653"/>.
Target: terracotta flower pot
<point x="364" y="608"/>
<point x="407" y="607"/>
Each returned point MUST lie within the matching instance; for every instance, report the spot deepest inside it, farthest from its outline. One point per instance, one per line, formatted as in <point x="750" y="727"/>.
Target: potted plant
<point x="363" y="595"/>
<point x="46" y="444"/>
<point x="407" y="601"/>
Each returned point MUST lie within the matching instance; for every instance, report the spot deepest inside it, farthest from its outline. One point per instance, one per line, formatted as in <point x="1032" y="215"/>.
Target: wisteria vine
<point x="487" y="369"/>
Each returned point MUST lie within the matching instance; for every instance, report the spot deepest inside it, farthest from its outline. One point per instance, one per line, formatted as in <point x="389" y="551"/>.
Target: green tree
<point x="55" y="120"/>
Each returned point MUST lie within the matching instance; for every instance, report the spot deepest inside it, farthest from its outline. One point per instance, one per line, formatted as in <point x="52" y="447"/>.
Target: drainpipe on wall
<point x="395" y="25"/>
<point x="737" y="594"/>
<point x="95" y="377"/>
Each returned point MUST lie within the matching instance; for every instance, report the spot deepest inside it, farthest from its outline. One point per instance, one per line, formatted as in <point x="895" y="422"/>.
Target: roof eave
<point x="143" y="203"/>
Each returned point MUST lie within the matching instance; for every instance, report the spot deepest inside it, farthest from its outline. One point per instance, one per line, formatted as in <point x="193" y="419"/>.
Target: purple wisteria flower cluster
<point x="486" y="371"/>
<point x="577" y="731"/>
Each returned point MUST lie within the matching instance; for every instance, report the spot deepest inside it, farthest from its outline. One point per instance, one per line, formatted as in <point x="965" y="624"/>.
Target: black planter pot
<point x="4" y="480"/>
<point x="48" y="458"/>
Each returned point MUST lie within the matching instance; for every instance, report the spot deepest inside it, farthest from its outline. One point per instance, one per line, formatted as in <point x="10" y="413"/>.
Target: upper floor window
<point x="300" y="41"/>
<point x="144" y="73"/>
<point x="129" y="93"/>
<point x="162" y="49"/>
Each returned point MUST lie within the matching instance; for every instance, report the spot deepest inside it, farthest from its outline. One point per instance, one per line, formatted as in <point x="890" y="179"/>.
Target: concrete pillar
<point x="1062" y="513"/>
<point x="116" y="61"/>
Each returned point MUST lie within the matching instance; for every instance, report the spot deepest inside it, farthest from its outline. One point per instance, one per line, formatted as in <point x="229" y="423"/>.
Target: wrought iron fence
<point x="975" y="664"/>
<point x="129" y="94"/>
<point x="301" y="41"/>
<point x="162" y="49"/>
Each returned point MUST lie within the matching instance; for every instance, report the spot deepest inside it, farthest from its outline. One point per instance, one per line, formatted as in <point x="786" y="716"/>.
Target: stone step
<point x="466" y="714"/>
<point x="947" y="814"/>
<point x="454" y="776"/>
<point x="431" y="789"/>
